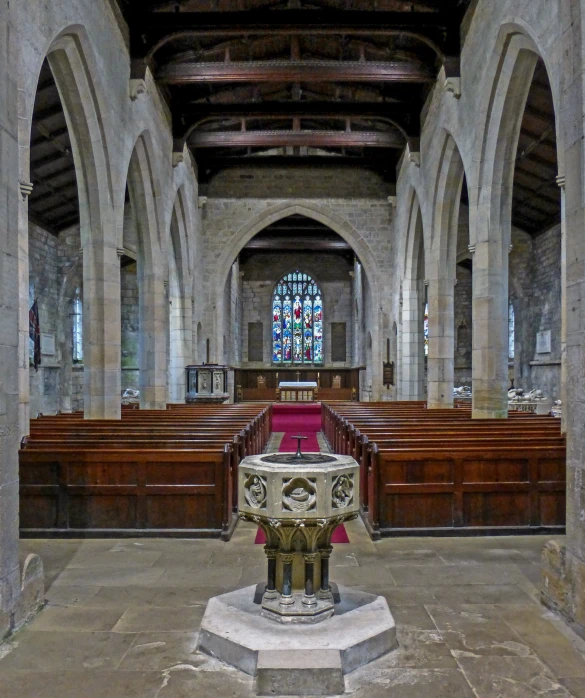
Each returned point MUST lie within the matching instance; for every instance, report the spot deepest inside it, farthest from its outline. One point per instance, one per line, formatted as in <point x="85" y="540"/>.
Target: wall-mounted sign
<point x="388" y="378"/>
<point x="543" y="342"/>
<point x="47" y="344"/>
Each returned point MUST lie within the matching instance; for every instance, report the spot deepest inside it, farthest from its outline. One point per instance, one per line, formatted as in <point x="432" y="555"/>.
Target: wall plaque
<point x="47" y="344"/>
<point x="543" y="342"/>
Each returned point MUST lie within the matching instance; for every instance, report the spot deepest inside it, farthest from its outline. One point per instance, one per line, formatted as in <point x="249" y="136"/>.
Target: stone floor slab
<point x="511" y="677"/>
<point x="142" y="618"/>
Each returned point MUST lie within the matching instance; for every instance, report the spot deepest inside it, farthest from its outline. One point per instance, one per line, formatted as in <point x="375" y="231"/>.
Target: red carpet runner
<point x="299" y="420"/>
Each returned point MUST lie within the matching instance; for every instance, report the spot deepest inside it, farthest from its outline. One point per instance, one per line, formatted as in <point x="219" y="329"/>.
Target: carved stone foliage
<point x="342" y="491"/>
<point x="299" y="494"/>
<point x="255" y="491"/>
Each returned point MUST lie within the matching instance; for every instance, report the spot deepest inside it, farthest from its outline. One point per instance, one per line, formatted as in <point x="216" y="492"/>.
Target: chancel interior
<point x="238" y="227"/>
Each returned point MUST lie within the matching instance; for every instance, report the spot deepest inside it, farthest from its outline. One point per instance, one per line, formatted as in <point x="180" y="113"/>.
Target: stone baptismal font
<point x="298" y="632"/>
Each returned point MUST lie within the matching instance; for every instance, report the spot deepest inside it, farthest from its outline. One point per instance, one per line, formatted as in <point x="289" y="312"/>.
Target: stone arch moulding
<point x="507" y="80"/>
<point x="449" y="179"/>
<point x="178" y="242"/>
<point x="71" y="60"/>
<point x="145" y="197"/>
<point x="323" y="215"/>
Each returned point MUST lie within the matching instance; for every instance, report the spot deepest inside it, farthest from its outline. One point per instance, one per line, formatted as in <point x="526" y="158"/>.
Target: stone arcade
<point x="203" y="201"/>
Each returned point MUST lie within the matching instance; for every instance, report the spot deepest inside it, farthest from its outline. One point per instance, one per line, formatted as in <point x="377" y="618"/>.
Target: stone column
<point x="490" y="328"/>
<point x="412" y="377"/>
<point x="153" y="341"/>
<point x="101" y="330"/>
<point x="23" y="317"/>
<point x="563" y="396"/>
<point x="181" y="349"/>
<point x="9" y="325"/>
<point x="441" y="358"/>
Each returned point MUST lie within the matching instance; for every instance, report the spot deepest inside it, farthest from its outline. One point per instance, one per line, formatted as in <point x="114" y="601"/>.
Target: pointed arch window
<point x="297" y="320"/>
<point x="511" y="331"/>
<point x="426" y="329"/>
<point x="77" y="329"/>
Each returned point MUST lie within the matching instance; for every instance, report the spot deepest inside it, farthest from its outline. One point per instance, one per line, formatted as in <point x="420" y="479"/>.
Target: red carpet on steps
<point x="299" y="420"/>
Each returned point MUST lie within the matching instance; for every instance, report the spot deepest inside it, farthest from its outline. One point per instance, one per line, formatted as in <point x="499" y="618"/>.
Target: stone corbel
<point x="452" y="82"/>
<point x="393" y="201"/>
<point x="137" y="88"/>
<point x="510" y="248"/>
<point x="426" y="282"/>
<point x="561" y="179"/>
<point x="452" y="85"/>
<point x="471" y="248"/>
<point x="120" y="251"/>
<point x="414" y="151"/>
<point x="178" y="158"/>
<point x="26" y="189"/>
<point x="202" y="202"/>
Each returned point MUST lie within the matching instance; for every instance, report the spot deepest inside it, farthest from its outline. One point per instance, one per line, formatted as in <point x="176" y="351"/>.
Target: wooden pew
<point x="171" y="473"/>
<point x="440" y="472"/>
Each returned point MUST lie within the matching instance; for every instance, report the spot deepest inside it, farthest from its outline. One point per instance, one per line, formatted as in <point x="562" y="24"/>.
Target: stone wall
<point x="330" y="270"/>
<point x="463" y="325"/>
<point x="54" y="280"/>
<point x="130" y="326"/>
<point x="535" y="292"/>
<point x="324" y="182"/>
<point x="229" y="223"/>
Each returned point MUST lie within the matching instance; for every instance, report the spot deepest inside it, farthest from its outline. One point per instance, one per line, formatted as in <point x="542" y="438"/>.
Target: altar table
<point x="297" y="392"/>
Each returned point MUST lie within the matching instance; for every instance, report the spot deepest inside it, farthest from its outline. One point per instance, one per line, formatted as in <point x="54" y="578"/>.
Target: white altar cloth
<point x="291" y="384"/>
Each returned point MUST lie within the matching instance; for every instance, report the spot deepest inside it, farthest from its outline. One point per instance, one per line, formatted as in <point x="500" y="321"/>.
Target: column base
<point x="294" y="609"/>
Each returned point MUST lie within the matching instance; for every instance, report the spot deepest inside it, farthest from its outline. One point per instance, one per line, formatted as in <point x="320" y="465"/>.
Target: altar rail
<point x="152" y="473"/>
<point x="439" y="472"/>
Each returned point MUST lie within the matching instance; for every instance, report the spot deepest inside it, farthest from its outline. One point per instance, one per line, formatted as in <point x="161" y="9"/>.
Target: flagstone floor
<point x="122" y="618"/>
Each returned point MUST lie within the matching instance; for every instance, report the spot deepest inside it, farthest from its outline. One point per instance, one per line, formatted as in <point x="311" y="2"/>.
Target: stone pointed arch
<point x="344" y="229"/>
<point x="144" y="190"/>
<point x="73" y="65"/>
<point x="413" y="295"/>
<point x="180" y="322"/>
<point x="509" y="79"/>
<point x="441" y="274"/>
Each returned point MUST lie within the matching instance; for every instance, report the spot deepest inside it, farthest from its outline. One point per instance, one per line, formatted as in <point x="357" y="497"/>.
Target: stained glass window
<point x="77" y="317"/>
<point x="511" y="331"/>
<point x="297" y="321"/>
<point x="426" y="329"/>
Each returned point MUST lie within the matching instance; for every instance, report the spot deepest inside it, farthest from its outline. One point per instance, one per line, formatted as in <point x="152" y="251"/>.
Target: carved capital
<point x="202" y="201"/>
<point x="271" y="553"/>
<point x="137" y="88"/>
<point x="120" y="251"/>
<point x="393" y="201"/>
<point x="471" y="248"/>
<point x="561" y="179"/>
<point x="426" y="282"/>
<point x="178" y="158"/>
<point x="287" y="558"/>
<point x="26" y="189"/>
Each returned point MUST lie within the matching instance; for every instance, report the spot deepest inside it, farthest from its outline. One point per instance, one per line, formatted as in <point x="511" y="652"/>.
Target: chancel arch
<point x="360" y="251"/>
